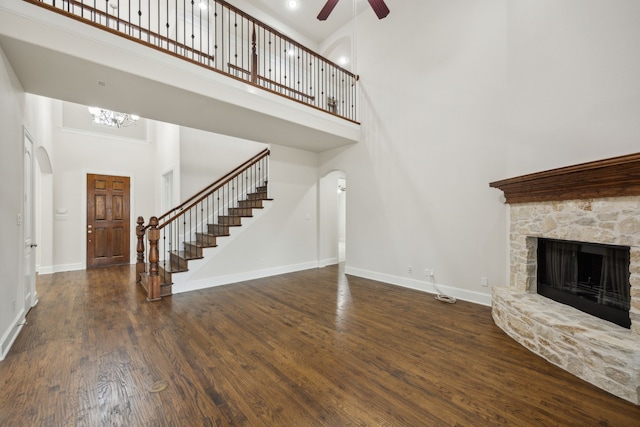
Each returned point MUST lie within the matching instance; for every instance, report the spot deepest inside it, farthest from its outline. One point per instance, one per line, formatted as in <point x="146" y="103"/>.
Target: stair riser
<point x="256" y="204"/>
<point x="246" y="212"/>
<point x="205" y="239"/>
<point x="258" y="196"/>
<point x="218" y="230"/>
<point x="192" y="251"/>
<point x="165" y="277"/>
<point x="230" y="220"/>
<point x="178" y="261"/>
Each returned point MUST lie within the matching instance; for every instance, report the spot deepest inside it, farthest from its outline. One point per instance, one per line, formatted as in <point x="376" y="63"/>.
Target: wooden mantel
<point x="614" y="177"/>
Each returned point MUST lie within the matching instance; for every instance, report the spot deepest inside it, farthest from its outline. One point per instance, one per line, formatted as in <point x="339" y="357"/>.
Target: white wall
<point x="433" y="79"/>
<point x="166" y="138"/>
<point x="11" y="160"/>
<point x="436" y="131"/>
<point x="80" y="153"/>
<point x="574" y="85"/>
<point x="206" y="156"/>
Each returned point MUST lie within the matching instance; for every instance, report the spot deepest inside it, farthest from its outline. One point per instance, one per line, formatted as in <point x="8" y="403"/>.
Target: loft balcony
<point x="211" y="67"/>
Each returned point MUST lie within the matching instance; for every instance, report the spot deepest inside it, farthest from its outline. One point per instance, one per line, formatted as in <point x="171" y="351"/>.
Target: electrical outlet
<point x="410" y="270"/>
<point x="428" y="272"/>
<point x="484" y="282"/>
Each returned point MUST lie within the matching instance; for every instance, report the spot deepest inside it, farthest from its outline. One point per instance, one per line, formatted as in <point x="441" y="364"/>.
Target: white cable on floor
<point x="444" y="298"/>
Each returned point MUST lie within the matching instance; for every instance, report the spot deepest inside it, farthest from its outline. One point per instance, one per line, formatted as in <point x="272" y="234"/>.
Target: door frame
<point x="331" y="215"/>
<point x="28" y="220"/>
<point x="83" y="211"/>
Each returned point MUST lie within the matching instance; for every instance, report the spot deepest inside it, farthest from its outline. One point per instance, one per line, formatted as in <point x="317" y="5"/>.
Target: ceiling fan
<point x="379" y="7"/>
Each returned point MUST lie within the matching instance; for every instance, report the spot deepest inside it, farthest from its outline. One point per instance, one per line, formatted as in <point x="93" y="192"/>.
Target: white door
<point x="28" y="226"/>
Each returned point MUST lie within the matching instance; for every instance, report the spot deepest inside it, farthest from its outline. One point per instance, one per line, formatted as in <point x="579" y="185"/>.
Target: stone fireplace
<point x="598" y="351"/>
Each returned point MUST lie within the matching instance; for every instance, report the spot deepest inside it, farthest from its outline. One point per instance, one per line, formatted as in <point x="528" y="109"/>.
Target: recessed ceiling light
<point x="343" y="60"/>
<point x="202" y="4"/>
<point x="292" y="4"/>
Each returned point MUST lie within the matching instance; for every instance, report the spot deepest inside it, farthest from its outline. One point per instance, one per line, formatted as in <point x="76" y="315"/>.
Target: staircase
<point x="179" y="260"/>
<point x="183" y="233"/>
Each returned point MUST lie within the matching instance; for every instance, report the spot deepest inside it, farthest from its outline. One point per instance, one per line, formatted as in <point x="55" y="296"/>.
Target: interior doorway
<point x="342" y="219"/>
<point x="108" y="202"/>
<point x="166" y="201"/>
<point x="333" y="218"/>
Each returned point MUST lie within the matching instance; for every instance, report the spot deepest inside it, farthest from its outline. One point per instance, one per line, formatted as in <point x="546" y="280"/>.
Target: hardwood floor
<point x="314" y="348"/>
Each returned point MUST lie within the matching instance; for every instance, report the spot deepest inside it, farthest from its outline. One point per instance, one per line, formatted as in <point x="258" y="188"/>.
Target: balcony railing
<point x="219" y="36"/>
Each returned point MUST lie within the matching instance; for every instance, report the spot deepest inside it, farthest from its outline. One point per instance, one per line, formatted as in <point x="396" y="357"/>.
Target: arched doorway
<point x="333" y="223"/>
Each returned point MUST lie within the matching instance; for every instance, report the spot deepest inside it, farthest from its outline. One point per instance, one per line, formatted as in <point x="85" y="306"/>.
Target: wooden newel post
<point x="140" y="264"/>
<point x="254" y="58"/>
<point x="153" y="291"/>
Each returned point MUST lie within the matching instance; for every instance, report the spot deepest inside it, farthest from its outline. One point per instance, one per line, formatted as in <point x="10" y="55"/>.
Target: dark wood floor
<point x="313" y="348"/>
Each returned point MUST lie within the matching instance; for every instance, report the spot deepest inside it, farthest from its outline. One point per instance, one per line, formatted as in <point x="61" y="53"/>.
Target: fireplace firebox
<point x="593" y="278"/>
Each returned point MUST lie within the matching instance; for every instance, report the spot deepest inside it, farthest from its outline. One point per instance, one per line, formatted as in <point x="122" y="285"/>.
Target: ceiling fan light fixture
<point x="379" y="7"/>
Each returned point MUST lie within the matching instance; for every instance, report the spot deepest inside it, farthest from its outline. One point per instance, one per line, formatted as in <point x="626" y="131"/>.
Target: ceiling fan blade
<point x="380" y="8"/>
<point x="326" y="10"/>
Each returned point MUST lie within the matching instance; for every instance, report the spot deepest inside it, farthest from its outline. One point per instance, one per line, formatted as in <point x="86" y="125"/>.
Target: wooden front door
<point x="107" y="220"/>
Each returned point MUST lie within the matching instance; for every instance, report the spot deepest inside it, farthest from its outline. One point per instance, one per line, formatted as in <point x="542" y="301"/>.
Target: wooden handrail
<point x="208" y="190"/>
<point x="266" y="80"/>
<point x="138" y="28"/>
<point x="231" y="187"/>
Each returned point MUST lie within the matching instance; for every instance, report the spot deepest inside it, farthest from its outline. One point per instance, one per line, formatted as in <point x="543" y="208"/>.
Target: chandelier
<point x="112" y="118"/>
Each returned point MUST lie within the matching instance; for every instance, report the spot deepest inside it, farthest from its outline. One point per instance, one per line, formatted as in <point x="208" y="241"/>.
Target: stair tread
<point x="185" y="255"/>
<point x="173" y="268"/>
<point x="201" y="245"/>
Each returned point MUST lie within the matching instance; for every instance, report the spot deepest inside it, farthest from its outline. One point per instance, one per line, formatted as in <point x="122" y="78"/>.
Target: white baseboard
<point x="11" y="334"/>
<point x="461" y="294"/>
<point x="45" y="269"/>
<point x="240" y="277"/>
<point x="328" y="261"/>
<point x="67" y="267"/>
